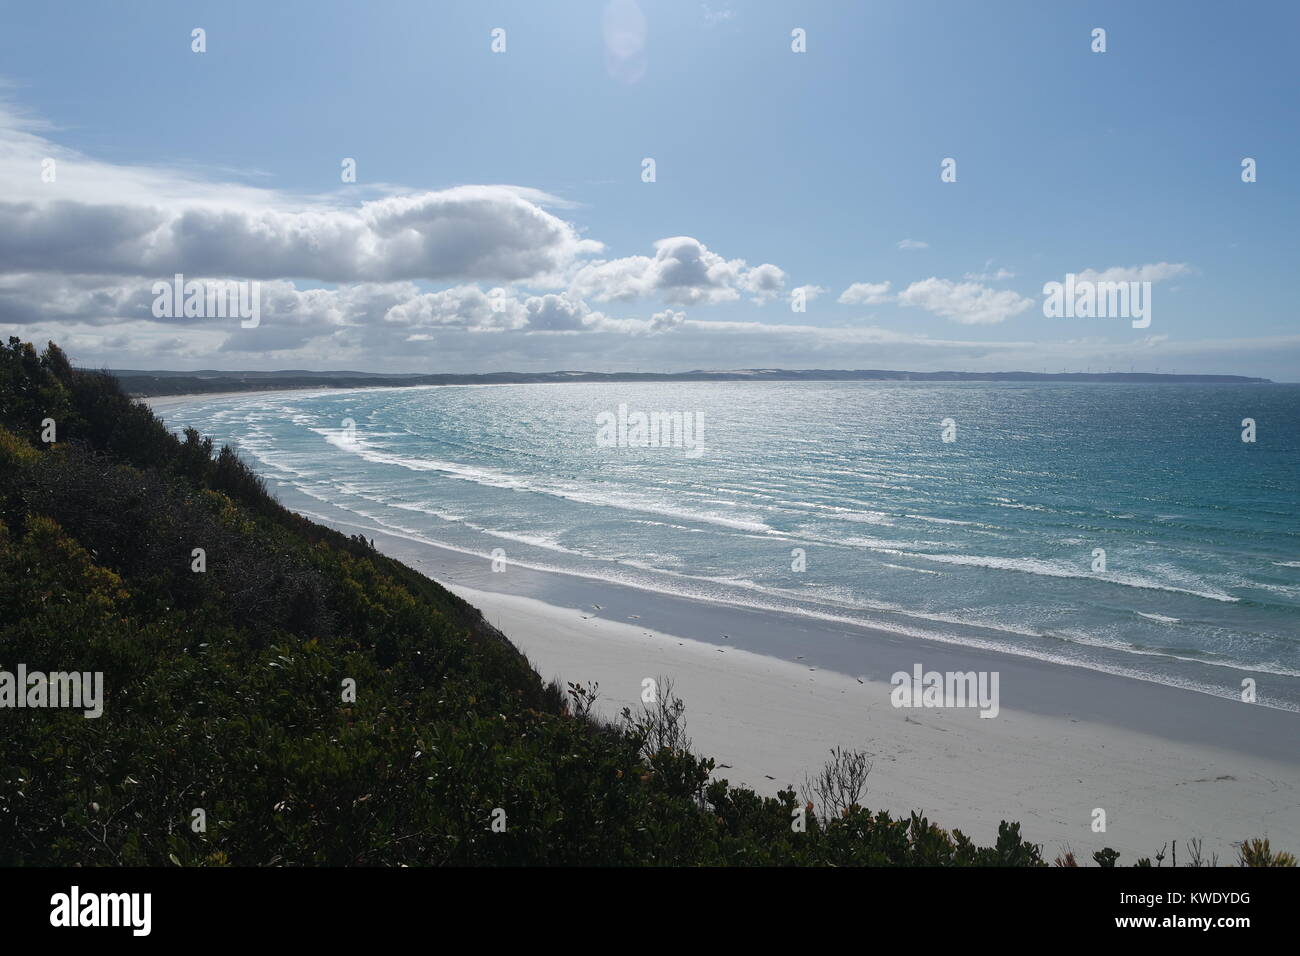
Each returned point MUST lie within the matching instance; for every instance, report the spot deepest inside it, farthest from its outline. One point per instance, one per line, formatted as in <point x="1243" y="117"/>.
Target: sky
<point x="503" y="215"/>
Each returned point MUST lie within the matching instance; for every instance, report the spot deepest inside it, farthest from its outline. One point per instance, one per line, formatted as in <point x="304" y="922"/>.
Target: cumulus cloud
<point x="483" y="232"/>
<point x="26" y="298"/>
<point x="291" y="316"/>
<point x="92" y="217"/>
<point x="966" y="302"/>
<point x="764" y="282"/>
<point x="683" y="271"/>
<point x="666" y="320"/>
<point x="84" y="246"/>
<point x="557" y="313"/>
<point x="463" y="306"/>
<point x="865" y="293"/>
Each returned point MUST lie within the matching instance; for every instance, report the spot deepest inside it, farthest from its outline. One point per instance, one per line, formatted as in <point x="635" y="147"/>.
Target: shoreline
<point x="1163" y="762"/>
<point x="767" y="723"/>
<point x="1028" y="684"/>
<point x="156" y="402"/>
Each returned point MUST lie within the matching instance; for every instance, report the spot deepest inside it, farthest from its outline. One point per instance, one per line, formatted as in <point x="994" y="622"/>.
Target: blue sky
<point x="775" y="171"/>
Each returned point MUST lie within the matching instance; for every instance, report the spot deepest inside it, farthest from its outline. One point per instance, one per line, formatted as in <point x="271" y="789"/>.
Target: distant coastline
<point x="151" y="383"/>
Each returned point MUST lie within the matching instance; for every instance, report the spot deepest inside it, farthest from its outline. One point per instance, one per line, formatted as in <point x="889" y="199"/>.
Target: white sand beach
<point x="769" y="721"/>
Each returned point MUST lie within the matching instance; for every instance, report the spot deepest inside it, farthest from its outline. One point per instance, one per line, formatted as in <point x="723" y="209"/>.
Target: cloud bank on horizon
<point x="543" y="274"/>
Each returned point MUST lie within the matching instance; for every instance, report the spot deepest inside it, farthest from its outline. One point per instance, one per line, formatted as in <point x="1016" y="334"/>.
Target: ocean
<point x="1123" y="528"/>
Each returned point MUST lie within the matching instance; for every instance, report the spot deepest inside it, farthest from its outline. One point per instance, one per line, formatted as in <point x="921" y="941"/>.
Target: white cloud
<point x="966" y="302"/>
<point x="85" y="249"/>
<point x="683" y="271"/>
<point x="667" y="320"/>
<point x="913" y="244"/>
<point x="465" y="306"/>
<point x="484" y="232"/>
<point x="763" y="282"/>
<point x="393" y="312"/>
<point x="107" y="219"/>
<point x="865" y="293"/>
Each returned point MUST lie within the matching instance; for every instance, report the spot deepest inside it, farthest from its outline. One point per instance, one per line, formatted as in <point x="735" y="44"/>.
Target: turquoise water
<point x="987" y="540"/>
